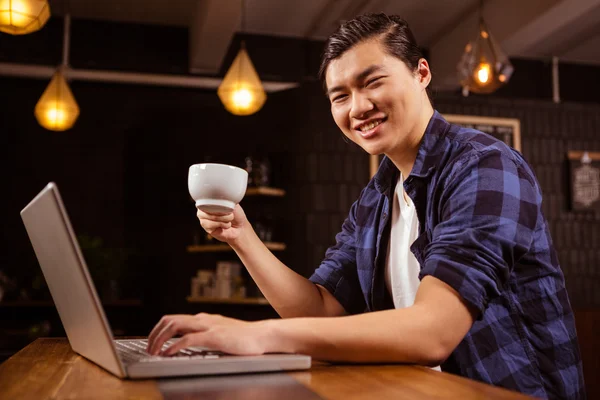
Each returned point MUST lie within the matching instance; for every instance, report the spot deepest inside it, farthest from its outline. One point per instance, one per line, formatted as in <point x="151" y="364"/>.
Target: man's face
<point x="376" y="100"/>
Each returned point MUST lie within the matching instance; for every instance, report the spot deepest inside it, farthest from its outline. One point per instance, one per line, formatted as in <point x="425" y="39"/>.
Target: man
<point x="445" y="258"/>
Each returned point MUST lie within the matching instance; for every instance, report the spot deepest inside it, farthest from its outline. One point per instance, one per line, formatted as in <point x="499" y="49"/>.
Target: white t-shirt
<point x="401" y="267"/>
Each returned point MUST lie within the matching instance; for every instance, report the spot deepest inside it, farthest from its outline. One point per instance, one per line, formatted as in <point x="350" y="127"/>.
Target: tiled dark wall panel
<point x="326" y="179"/>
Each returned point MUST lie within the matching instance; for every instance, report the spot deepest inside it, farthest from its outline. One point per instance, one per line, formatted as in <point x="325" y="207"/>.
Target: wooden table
<point x="48" y="368"/>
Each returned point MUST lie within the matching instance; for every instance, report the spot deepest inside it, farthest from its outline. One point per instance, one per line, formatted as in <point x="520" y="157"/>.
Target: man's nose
<point x="361" y="105"/>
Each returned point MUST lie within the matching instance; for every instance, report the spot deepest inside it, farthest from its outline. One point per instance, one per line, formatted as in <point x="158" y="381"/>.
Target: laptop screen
<point x="69" y="281"/>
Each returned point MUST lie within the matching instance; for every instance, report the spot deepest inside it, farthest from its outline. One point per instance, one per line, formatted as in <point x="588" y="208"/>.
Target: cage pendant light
<point x="57" y="109"/>
<point x="241" y="91"/>
<point x="483" y="67"/>
<point x="19" y="17"/>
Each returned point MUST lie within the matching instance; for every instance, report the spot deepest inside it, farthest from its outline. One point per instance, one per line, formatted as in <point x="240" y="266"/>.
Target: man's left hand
<point x="209" y="330"/>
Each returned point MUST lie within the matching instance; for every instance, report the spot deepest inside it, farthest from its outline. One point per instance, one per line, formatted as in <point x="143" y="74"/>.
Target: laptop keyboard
<point x="135" y="351"/>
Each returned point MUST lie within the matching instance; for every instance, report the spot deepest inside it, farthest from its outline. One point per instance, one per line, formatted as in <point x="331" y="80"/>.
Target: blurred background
<point x="144" y="75"/>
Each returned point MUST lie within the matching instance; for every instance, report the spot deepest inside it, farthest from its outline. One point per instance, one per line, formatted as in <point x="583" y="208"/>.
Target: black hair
<point x="394" y="32"/>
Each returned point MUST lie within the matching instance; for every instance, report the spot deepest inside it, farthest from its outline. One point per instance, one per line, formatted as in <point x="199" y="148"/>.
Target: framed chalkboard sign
<point x="584" y="180"/>
<point x="506" y="129"/>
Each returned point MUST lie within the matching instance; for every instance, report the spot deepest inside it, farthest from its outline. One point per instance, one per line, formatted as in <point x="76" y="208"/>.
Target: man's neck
<point x="404" y="158"/>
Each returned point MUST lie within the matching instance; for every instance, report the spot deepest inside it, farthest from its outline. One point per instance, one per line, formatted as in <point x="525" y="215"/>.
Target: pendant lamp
<point x="19" y="17"/>
<point x="57" y="109"/>
<point x="241" y="91"/>
<point x="483" y="67"/>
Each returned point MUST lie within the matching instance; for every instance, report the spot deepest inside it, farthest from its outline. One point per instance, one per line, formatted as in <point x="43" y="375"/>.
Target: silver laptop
<point x="84" y="320"/>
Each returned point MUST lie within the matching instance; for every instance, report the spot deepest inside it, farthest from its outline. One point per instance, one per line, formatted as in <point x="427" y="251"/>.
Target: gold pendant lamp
<point x="20" y="17"/>
<point x="57" y="109"/>
<point x="241" y="91"/>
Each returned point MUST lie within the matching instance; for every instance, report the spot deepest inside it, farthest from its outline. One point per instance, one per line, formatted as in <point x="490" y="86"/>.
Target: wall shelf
<point x="233" y="300"/>
<point x="265" y="191"/>
<point x="220" y="247"/>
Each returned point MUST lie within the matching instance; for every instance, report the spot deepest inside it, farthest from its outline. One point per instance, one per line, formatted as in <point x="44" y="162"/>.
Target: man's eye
<point x="371" y="81"/>
<point x="339" y="98"/>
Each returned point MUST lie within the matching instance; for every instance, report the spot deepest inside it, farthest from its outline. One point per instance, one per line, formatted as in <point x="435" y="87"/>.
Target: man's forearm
<point x="403" y="335"/>
<point x="290" y="294"/>
<point x="425" y="333"/>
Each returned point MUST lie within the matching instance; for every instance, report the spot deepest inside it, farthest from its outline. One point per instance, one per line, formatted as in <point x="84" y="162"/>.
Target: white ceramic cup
<point x="217" y="188"/>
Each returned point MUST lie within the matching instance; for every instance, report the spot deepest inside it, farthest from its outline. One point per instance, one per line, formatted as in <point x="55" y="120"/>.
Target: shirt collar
<point x="427" y="156"/>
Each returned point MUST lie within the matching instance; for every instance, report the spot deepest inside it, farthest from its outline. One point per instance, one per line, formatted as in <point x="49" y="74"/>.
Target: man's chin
<point x="373" y="150"/>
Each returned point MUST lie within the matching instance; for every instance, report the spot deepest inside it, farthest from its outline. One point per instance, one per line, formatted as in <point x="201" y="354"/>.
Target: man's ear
<point x="424" y="72"/>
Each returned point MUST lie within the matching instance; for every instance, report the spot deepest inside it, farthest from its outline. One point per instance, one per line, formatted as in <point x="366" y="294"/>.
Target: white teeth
<point x="369" y="126"/>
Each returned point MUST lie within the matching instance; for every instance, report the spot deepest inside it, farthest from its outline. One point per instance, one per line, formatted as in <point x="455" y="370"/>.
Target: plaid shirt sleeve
<point x="488" y="213"/>
<point x="338" y="273"/>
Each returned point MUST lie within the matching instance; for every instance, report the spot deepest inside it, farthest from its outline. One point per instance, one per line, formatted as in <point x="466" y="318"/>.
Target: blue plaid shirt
<point x="482" y="232"/>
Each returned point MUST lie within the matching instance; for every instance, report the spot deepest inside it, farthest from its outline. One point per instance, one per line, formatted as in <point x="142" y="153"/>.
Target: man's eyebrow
<point x="368" y="71"/>
<point x="359" y="77"/>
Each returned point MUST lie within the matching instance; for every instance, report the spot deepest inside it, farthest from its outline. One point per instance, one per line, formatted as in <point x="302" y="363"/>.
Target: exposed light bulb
<point x="56" y="116"/>
<point x="242" y="98"/>
<point x="483" y="73"/>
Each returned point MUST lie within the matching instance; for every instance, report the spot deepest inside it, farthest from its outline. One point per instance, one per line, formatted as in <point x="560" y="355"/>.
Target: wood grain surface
<point x="49" y="369"/>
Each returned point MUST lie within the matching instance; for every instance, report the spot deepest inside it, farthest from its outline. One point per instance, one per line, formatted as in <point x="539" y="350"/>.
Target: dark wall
<point x="122" y="171"/>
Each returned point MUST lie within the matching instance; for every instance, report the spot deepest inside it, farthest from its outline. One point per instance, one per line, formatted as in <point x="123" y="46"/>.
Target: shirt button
<point x="384" y="216"/>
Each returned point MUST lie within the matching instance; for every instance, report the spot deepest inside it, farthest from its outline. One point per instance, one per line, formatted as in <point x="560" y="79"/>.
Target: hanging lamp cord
<point x="243" y="16"/>
<point x="66" y="40"/>
<point x="480" y="10"/>
<point x="66" y="36"/>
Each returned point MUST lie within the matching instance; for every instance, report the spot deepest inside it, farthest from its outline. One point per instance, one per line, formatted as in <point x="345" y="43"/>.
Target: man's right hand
<point x="224" y="227"/>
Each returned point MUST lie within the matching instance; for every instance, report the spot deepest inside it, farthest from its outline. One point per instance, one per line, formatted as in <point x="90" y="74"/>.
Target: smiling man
<point x="444" y="259"/>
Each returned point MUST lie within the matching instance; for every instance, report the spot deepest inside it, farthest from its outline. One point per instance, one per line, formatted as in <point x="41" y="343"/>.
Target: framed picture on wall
<point x="506" y="129"/>
<point x="584" y="177"/>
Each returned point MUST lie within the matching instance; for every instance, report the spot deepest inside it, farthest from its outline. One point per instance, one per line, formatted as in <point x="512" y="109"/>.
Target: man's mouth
<point x="368" y="128"/>
<point x="370" y="125"/>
